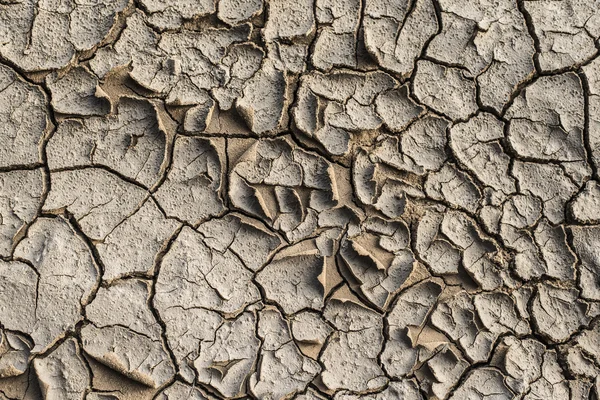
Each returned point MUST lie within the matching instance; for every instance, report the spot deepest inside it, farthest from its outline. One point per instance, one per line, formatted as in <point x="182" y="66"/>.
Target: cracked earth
<point x="299" y="199"/>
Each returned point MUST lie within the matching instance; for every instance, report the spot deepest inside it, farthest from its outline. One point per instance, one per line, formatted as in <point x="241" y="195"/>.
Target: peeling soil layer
<point x="300" y="199"/>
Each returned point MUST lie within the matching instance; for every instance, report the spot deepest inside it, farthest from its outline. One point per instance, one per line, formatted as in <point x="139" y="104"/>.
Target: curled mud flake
<point x="457" y="317"/>
<point x="336" y="108"/>
<point x="263" y="101"/>
<point x="225" y="362"/>
<point x="235" y="12"/>
<point x="592" y="76"/>
<point x="124" y="334"/>
<point x="284" y="186"/>
<point x="407" y="335"/>
<point x="547" y="124"/>
<point x="78" y="93"/>
<point x="401" y="390"/>
<point x="585" y="207"/>
<point x="477" y="144"/>
<point x="131" y="354"/>
<point x="132" y="247"/>
<point x="295" y="279"/>
<point x="335" y="45"/>
<point x="378" y="261"/>
<point x="193" y="273"/>
<point x="15" y="350"/>
<point x="550" y="183"/>
<point x="63" y="373"/>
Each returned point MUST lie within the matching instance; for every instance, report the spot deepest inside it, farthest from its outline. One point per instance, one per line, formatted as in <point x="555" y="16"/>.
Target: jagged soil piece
<point x="566" y="31"/>
<point x="332" y="108"/>
<point x="268" y="179"/>
<point x="77" y="92"/>
<point x="498" y="314"/>
<point x="289" y="20"/>
<point x="193" y="273"/>
<point x="490" y="42"/>
<point x="404" y="325"/>
<point x="18" y="297"/>
<point x="124" y="303"/>
<point x="63" y="374"/>
<point x="550" y="183"/>
<point x="243" y="61"/>
<point x="457" y="317"/>
<point x="586" y="241"/>
<point x="445" y="89"/>
<point x="442" y="372"/>
<point x="420" y="148"/>
<point x="592" y="76"/>
<point x="23" y="113"/>
<point x="179" y="390"/>
<point x="310" y="328"/>
<point x="350" y="356"/>
<point x="125" y="335"/>
<point x="402" y="390"/>
<point x="264" y="100"/>
<point x="132" y="354"/>
<point x="182" y="65"/>
<point x="395" y="34"/>
<point x="177" y="11"/>
<point x="234" y="12"/>
<point x="335" y="45"/>
<point x="131" y="142"/>
<point x="453" y="186"/>
<point x="532" y="369"/>
<point x="477" y="143"/>
<point x="397" y="109"/>
<point x="43" y="36"/>
<point x="547" y="123"/>
<point x="247" y="238"/>
<point x="64" y="277"/>
<point x="295" y="279"/>
<point x="437" y="251"/>
<point x="558" y="313"/>
<point x="192" y="191"/>
<point x="585" y="207"/>
<point x="283" y="369"/>
<point x="21" y="194"/>
<point x="15" y="350"/>
<point x="379" y="260"/>
<point x="131" y="248"/>
<point x="98" y="199"/>
<point x="483" y="384"/>
<point x="225" y="362"/>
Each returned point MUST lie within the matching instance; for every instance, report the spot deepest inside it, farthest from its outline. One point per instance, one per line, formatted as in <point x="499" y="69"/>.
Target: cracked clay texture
<point x="300" y="199"/>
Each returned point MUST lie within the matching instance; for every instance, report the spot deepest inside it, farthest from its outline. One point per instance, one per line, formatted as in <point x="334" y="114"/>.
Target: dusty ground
<point x="300" y="199"/>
